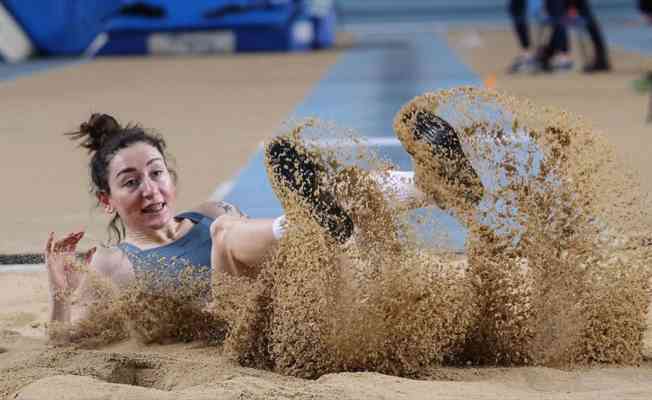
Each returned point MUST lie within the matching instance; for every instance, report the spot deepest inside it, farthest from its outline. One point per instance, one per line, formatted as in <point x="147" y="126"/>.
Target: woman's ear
<point x="104" y="200"/>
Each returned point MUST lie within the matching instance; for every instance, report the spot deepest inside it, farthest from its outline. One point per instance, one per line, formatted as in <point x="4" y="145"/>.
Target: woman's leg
<point x="399" y="186"/>
<point x="240" y="244"/>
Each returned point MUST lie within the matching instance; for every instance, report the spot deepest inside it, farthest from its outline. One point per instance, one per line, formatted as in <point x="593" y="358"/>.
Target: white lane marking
<point x="22" y="268"/>
<point x="359" y="141"/>
<point x="363" y="141"/>
<point x="223" y="190"/>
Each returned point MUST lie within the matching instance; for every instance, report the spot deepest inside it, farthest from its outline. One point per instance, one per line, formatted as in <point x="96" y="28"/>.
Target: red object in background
<point x="572" y="12"/>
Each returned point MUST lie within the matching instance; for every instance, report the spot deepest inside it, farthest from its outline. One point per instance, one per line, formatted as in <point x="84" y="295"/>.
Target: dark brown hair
<point x="103" y="137"/>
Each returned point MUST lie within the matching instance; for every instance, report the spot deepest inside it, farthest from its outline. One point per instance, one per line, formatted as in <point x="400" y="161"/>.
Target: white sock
<point x="279" y="227"/>
<point x="399" y="186"/>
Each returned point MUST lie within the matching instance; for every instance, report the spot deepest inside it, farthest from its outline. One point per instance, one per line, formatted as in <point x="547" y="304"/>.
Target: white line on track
<point x="364" y="141"/>
<point x="22" y="268"/>
<point x="223" y="190"/>
<point x="377" y="141"/>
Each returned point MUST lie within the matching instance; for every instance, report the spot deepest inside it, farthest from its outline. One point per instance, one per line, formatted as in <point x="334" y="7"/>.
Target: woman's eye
<point x="131" y="183"/>
<point x="157" y="173"/>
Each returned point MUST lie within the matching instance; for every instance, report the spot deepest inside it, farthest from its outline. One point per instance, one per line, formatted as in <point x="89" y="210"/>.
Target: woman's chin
<point x="159" y="220"/>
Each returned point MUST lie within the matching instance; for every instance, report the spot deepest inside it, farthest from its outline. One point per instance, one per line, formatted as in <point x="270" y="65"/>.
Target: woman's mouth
<point x="154" y="208"/>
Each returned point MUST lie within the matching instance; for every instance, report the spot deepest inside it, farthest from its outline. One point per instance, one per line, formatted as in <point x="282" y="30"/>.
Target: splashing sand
<point x="557" y="271"/>
<point x="569" y="255"/>
<point x="153" y="309"/>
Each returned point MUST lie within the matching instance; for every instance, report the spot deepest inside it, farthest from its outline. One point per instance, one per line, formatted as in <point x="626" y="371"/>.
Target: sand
<point x="187" y="371"/>
<point x="32" y="369"/>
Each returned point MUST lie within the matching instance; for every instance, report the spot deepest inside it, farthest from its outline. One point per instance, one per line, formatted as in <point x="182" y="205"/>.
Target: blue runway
<point x="637" y="39"/>
<point x="363" y="91"/>
<point x="13" y="71"/>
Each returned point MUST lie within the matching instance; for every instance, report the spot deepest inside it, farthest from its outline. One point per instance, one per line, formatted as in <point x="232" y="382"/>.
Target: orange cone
<point x="490" y="82"/>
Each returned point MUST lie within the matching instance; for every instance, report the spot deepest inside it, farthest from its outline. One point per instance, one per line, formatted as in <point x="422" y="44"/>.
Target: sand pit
<point x="577" y="301"/>
<point x="186" y="373"/>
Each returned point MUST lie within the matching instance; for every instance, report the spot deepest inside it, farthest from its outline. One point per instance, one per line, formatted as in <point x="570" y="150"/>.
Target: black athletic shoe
<point x="444" y="144"/>
<point x="438" y="134"/>
<point x="292" y="168"/>
<point x="597" y="67"/>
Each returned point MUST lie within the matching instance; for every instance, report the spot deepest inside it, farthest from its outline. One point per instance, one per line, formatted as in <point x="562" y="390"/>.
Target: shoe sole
<point x="292" y="168"/>
<point x="424" y="128"/>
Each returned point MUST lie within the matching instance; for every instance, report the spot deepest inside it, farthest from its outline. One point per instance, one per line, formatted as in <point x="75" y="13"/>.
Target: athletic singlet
<point x="192" y="252"/>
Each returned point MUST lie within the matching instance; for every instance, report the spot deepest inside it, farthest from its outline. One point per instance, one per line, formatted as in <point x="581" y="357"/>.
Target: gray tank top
<point x="191" y="253"/>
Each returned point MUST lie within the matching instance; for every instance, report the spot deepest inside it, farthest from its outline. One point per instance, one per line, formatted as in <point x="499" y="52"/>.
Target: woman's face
<point x="143" y="192"/>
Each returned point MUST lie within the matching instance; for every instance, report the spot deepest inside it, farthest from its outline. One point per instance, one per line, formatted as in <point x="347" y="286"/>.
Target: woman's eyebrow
<point x="132" y="169"/>
<point x="125" y="171"/>
<point x="154" y="160"/>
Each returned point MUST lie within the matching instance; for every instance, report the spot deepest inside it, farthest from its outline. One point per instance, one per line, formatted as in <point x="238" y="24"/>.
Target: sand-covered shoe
<point x="435" y="147"/>
<point x="292" y="168"/>
<point x="438" y="134"/>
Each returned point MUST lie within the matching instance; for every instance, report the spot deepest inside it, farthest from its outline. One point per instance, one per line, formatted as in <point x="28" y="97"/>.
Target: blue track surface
<point x="635" y="38"/>
<point x="13" y="71"/>
<point x="363" y="91"/>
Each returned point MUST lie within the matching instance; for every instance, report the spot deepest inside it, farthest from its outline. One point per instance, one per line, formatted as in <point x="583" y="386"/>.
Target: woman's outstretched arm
<point x="241" y="244"/>
<point x="68" y="274"/>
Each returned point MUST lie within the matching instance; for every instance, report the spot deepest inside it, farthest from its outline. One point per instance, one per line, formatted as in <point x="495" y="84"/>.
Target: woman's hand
<point x="65" y="271"/>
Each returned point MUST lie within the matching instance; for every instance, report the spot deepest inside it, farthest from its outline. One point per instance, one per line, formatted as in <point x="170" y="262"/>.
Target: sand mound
<point x="530" y="383"/>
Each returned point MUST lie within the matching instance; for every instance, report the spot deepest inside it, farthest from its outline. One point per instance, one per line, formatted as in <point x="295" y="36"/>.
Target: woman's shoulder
<point x="216" y="208"/>
<point x="108" y="261"/>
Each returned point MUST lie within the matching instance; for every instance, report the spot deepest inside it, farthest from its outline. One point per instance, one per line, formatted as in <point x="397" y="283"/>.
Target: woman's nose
<point x="147" y="187"/>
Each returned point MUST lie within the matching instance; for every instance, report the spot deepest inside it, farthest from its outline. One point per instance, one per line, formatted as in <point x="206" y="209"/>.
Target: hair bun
<point x="96" y="131"/>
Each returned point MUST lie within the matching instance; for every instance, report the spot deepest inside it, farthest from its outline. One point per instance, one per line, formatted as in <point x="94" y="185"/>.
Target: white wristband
<point x="278" y="227"/>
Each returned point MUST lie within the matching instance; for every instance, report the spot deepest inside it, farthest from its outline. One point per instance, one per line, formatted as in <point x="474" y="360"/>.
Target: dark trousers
<point x="558" y="41"/>
<point x="584" y="10"/>
<point x="557" y="10"/>
<point x="518" y="12"/>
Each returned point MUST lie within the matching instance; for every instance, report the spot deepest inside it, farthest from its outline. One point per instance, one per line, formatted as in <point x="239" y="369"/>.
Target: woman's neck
<point x="158" y="237"/>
